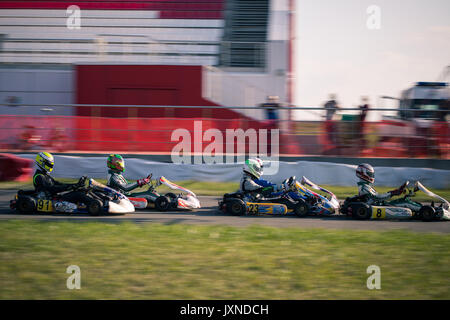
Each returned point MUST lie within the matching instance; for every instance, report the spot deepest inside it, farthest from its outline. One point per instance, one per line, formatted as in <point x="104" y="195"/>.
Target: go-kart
<point x="361" y="208"/>
<point x="319" y="204"/>
<point x="294" y="198"/>
<point x="186" y="200"/>
<point x="103" y="200"/>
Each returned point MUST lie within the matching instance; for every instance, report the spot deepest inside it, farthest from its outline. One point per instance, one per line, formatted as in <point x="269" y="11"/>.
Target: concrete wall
<point x="22" y="84"/>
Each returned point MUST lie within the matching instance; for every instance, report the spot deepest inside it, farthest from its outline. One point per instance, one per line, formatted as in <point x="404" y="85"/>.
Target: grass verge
<point x="153" y="261"/>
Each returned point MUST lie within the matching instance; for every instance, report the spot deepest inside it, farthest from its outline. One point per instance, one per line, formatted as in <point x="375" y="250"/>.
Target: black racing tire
<point x="344" y="206"/>
<point x="162" y="203"/>
<point x="94" y="207"/>
<point x="427" y="213"/>
<point x="171" y="195"/>
<point x="26" y="205"/>
<point x="361" y="211"/>
<point x="301" y="208"/>
<point x="236" y="207"/>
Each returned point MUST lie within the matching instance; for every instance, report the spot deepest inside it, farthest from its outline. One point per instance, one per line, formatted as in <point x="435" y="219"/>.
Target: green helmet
<point x="254" y="167"/>
<point x="115" y="162"/>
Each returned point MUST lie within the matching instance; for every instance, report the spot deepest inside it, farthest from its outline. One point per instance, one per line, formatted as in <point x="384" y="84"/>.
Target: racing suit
<point x="44" y="183"/>
<point x="366" y="189"/>
<point x="119" y="183"/>
<point x="250" y="184"/>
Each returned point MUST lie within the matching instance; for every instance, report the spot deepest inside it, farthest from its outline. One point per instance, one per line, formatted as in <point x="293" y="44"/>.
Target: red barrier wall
<point x="63" y="133"/>
<point x="165" y="85"/>
<point x="14" y="168"/>
<point x="28" y="132"/>
<point x="150" y="134"/>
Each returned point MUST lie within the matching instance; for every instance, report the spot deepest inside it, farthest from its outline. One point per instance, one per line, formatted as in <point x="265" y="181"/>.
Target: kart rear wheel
<point x="301" y="209"/>
<point x="26" y="205"/>
<point x="94" y="207"/>
<point x="162" y="203"/>
<point x="427" y="213"/>
<point x="361" y="211"/>
<point x="236" y="207"/>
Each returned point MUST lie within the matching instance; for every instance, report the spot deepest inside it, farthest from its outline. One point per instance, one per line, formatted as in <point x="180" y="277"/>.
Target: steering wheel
<point x="291" y="180"/>
<point x="81" y="182"/>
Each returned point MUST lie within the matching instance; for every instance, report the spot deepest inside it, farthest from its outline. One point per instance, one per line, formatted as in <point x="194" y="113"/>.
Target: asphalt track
<point x="210" y="215"/>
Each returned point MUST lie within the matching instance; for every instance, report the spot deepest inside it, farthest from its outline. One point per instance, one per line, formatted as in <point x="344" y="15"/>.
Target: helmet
<point x="115" y="162"/>
<point x="45" y="161"/>
<point x="365" y="172"/>
<point x="254" y="166"/>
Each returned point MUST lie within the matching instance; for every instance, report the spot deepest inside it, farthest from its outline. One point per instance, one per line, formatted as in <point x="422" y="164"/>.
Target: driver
<point x="366" y="175"/>
<point x="116" y="180"/>
<point x="251" y="181"/>
<point x="43" y="182"/>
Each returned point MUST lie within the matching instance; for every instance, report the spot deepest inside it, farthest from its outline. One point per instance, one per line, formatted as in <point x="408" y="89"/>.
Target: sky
<point x="336" y="52"/>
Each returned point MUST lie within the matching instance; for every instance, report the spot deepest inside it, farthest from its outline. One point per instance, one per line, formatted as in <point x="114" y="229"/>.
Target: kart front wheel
<point x="26" y="205"/>
<point x="162" y="203"/>
<point x="301" y="209"/>
<point x="94" y="207"/>
<point x="361" y="211"/>
<point x="427" y="213"/>
<point x="236" y="207"/>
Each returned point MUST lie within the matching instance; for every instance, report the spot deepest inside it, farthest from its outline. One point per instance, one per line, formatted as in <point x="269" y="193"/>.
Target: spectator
<point x="331" y="106"/>
<point x="271" y="109"/>
<point x="364" y="108"/>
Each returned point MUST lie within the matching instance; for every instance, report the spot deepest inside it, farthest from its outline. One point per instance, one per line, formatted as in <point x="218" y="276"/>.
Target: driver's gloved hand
<point x="81" y="181"/>
<point x="78" y="184"/>
<point x="142" y="182"/>
<point x="396" y="192"/>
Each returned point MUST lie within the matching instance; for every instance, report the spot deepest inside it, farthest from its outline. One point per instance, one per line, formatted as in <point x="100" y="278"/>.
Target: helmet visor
<point x="48" y="163"/>
<point x="258" y="169"/>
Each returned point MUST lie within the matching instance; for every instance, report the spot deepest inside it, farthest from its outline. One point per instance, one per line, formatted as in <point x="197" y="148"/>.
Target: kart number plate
<point x="266" y="208"/>
<point x="378" y="213"/>
<point x="253" y="208"/>
<point x="44" y="205"/>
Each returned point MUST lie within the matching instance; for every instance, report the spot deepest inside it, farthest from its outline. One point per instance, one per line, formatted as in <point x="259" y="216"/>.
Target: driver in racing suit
<point x="251" y="182"/>
<point x="45" y="183"/>
<point x="366" y="175"/>
<point x="117" y="181"/>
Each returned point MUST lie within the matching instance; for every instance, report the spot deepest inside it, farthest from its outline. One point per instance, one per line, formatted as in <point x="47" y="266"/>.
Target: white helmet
<point x="365" y="172"/>
<point x="254" y="166"/>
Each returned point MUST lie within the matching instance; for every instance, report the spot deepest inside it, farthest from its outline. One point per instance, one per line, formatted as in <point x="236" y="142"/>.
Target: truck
<point x="420" y="127"/>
